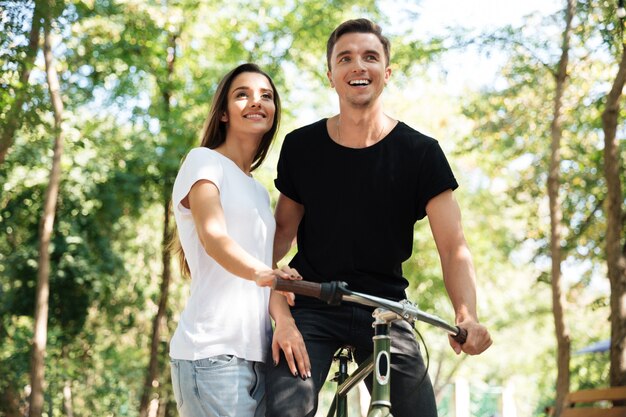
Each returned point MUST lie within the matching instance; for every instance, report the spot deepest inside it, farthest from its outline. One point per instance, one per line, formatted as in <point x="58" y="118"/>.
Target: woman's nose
<point x="255" y="100"/>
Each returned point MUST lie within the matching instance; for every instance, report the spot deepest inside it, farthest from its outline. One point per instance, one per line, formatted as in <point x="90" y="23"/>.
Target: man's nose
<point x="359" y="65"/>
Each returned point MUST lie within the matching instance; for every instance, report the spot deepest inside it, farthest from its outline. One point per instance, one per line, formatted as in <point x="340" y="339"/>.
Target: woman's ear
<point x="224" y="117"/>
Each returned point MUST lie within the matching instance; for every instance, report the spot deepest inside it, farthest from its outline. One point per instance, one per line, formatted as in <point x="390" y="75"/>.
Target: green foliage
<point x="137" y="81"/>
<point x="512" y="122"/>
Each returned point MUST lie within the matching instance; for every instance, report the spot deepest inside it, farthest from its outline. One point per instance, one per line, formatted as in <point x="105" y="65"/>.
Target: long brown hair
<point x="214" y="134"/>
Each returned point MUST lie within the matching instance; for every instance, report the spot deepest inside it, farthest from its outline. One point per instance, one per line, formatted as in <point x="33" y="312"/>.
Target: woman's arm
<point x="206" y="209"/>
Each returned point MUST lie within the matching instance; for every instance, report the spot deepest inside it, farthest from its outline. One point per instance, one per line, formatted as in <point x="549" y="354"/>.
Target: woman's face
<point x="251" y="107"/>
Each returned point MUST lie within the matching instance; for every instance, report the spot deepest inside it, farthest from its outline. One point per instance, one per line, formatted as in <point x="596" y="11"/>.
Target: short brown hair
<point x="357" y="26"/>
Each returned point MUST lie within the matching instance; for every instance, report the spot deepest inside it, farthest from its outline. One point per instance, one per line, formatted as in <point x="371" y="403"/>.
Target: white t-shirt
<point x="225" y="314"/>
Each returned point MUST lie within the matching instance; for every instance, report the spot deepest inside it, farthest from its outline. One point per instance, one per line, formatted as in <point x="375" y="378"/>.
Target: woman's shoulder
<point x="200" y="160"/>
<point x="201" y="156"/>
<point x="201" y="152"/>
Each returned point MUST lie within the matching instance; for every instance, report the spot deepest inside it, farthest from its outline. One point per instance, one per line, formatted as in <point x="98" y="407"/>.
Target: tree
<point x="558" y="298"/>
<point x="615" y="252"/>
<point x="47" y="224"/>
<point x="510" y="123"/>
<point x="153" y="371"/>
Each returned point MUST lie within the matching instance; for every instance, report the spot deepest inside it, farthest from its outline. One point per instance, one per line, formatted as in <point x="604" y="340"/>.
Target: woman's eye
<point x="267" y="96"/>
<point x="241" y="94"/>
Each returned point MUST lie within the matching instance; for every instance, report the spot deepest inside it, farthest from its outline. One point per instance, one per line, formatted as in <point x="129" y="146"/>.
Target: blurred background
<point x="101" y="99"/>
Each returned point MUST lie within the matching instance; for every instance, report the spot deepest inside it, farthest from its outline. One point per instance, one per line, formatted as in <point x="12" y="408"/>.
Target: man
<point x="352" y="187"/>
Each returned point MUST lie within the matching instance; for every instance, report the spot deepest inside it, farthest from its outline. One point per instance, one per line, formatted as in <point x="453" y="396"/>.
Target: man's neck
<point x="360" y="128"/>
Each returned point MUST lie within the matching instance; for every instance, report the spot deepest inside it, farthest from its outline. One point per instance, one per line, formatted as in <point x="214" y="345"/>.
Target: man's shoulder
<point x="413" y="136"/>
<point x="309" y="130"/>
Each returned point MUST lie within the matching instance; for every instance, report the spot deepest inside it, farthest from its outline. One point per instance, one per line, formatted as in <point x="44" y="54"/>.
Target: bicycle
<point x="386" y="311"/>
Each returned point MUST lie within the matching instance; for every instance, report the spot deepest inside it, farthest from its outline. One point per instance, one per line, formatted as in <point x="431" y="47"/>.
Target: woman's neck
<point x="240" y="151"/>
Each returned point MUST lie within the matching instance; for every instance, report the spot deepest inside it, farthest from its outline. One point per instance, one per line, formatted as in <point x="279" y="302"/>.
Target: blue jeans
<point x="325" y="329"/>
<point x="219" y="386"/>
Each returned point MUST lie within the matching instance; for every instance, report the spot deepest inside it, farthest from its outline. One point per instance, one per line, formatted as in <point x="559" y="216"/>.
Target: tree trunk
<point x="554" y="184"/>
<point x="68" y="406"/>
<point x="45" y="233"/>
<point x="440" y="381"/>
<point x="13" y="118"/>
<point x="10" y="402"/>
<point x="616" y="261"/>
<point x="153" y="367"/>
<point x="165" y="397"/>
<point x="152" y="375"/>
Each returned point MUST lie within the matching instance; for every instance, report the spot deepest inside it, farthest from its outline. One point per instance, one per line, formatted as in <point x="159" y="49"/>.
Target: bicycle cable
<point x="427" y="356"/>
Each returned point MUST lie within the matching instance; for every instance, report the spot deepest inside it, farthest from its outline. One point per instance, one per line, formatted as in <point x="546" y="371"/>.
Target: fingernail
<point x="275" y="363"/>
<point x="308" y="374"/>
<point x="295" y="373"/>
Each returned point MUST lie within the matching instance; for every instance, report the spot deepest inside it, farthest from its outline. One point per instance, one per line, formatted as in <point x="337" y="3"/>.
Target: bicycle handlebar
<point x="335" y="291"/>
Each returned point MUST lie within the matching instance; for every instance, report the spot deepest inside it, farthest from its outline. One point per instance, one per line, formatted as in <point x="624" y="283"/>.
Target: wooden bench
<point x="604" y="396"/>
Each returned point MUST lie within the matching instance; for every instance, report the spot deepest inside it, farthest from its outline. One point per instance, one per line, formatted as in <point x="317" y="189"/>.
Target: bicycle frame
<point x="380" y="404"/>
<point x="386" y="311"/>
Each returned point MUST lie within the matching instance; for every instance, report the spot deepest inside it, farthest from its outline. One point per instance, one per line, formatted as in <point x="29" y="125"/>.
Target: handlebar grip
<point x="310" y="289"/>
<point x="461" y="336"/>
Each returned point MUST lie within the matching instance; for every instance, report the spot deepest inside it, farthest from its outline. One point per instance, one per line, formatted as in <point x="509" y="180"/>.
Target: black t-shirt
<point x="360" y="205"/>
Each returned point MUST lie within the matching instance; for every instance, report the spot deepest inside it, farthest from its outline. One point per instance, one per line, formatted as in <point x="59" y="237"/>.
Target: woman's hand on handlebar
<point x="266" y="278"/>
<point x="478" y="338"/>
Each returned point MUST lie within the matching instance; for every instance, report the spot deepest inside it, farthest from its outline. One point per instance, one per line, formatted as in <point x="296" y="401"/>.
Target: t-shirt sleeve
<point x="437" y="177"/>
<point x="200" y="164"/>
<point x="284" y="175"/>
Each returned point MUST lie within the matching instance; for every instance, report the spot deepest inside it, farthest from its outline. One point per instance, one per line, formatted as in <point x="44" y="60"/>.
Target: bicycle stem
<point x="380" y="404"/>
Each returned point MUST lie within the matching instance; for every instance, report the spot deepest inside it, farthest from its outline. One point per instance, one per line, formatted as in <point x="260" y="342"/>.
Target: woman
<point x="226" y="231"/>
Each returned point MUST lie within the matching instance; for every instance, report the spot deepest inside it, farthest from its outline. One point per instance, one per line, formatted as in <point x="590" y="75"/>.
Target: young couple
<point x="351" y="189"/>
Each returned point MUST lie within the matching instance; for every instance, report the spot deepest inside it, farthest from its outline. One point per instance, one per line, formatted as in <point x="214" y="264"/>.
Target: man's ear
<point x="330" y="78"/>
<point x="387" y="74"/>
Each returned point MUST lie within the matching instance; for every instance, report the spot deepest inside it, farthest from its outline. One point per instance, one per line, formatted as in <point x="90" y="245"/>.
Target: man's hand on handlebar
<point x="478" y="338"/>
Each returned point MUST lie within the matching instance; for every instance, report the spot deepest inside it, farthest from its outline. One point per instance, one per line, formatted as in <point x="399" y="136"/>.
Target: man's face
<point x="359" y="71"/>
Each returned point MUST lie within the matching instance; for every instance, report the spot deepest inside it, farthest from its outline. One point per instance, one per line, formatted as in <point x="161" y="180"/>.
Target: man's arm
<point x="288" y="214"/>
<point x="459" y="277"/>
